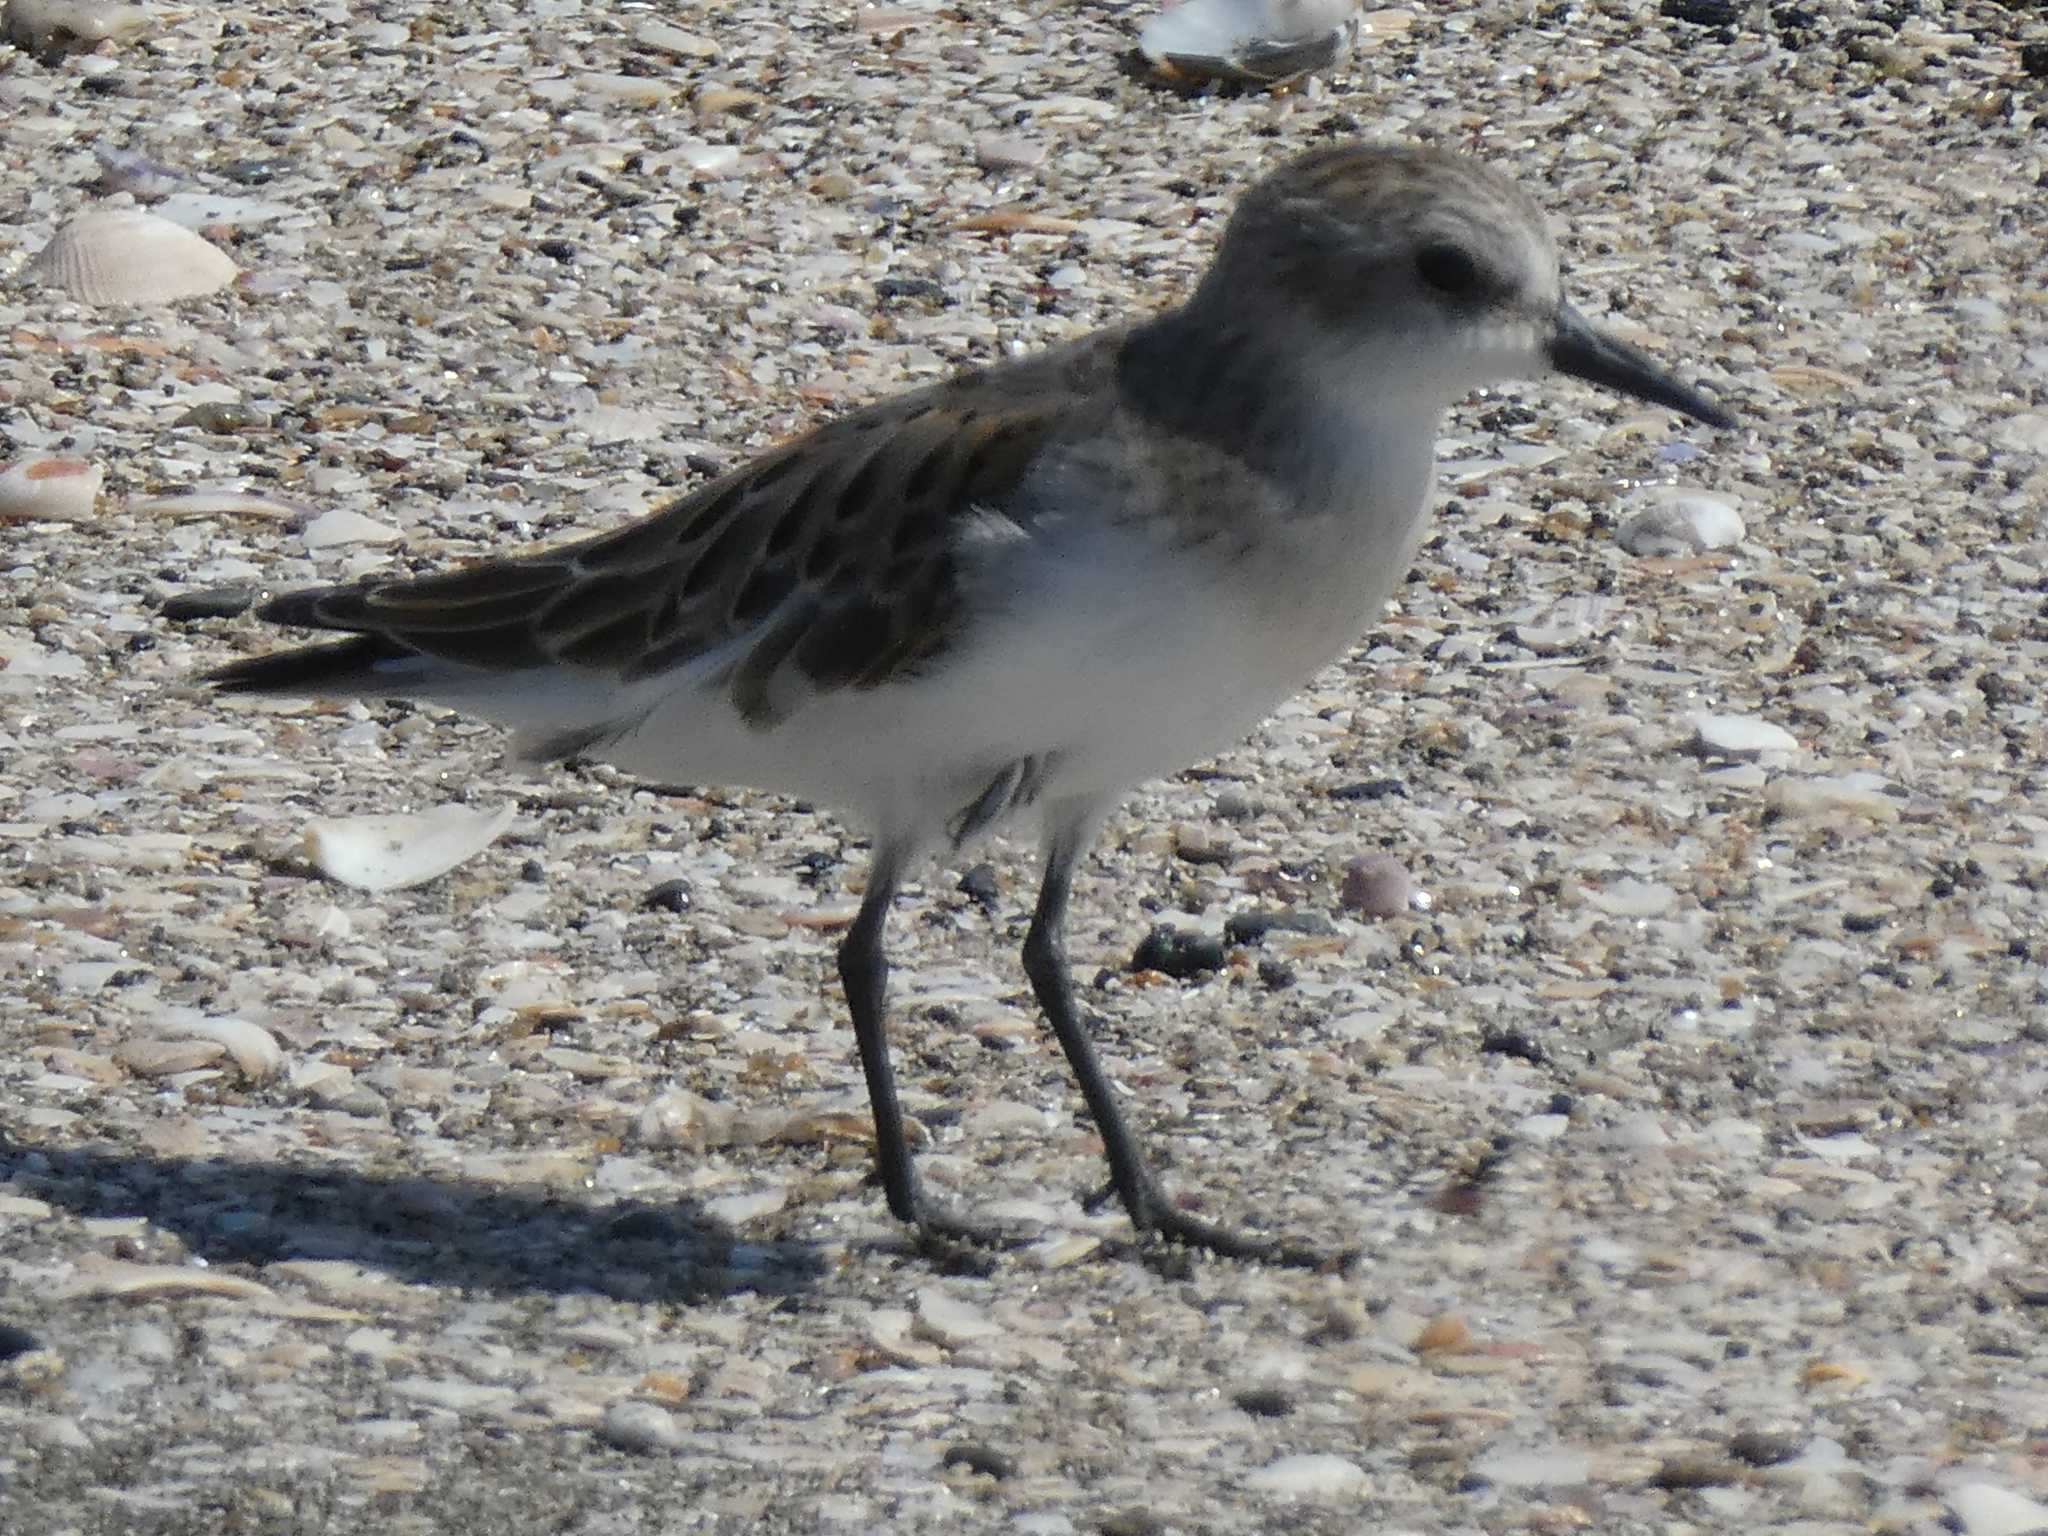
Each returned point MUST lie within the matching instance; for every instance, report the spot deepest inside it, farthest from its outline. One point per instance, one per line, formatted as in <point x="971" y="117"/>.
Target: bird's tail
<point x="362" y="664"/>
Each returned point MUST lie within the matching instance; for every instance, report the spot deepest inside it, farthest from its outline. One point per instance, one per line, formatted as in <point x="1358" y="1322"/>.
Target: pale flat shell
<point x="389" y="853"/>
<point x="1258" y="41"/>
<point x="47" y="489"/>
<point x="203" y="210"/>
<point x="254" y="1049"/>
<point x="342" y="526"/>
<point x="126" y="256"/>
<point x="39" y="25"/>
<point x="158" y="1282"/>
<point x="1678" y="520"/>
<point x="218" y="503"/>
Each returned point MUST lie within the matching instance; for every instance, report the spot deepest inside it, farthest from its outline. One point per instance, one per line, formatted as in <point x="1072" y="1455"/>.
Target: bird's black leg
<point x="1045" y="962"/>
<point x="864" y="973"/>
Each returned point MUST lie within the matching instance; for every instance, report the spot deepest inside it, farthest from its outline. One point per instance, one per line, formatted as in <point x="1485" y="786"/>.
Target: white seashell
<point x="709" y="159"/>
<point x="1257" y="41"/>
<point x="254" y="1049"/>
<point x="341" y="526"/>
<point x="660" y="37"/>
<point x="1740" y="735"/>
<point x="219" y="503"/>
<point x="45" y="489"/>
<point x="1680" y="520"/>
<point x="41" y="26"/>
<point x="126" y="256"/>
<point x="389" y="853"/>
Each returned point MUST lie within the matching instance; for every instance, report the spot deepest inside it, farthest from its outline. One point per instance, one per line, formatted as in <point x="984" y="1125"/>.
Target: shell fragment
<point x="389" y="853"/>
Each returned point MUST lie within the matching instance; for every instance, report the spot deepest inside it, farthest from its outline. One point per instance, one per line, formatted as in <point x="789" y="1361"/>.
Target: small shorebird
<point x="1029" y="588"/>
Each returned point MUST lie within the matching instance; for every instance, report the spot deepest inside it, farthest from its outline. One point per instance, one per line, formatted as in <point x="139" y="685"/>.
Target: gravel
<point x="528" y="1198"/>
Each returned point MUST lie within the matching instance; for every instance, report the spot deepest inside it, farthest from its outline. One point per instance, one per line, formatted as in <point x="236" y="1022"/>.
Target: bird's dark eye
<point x="1450" y="271"/>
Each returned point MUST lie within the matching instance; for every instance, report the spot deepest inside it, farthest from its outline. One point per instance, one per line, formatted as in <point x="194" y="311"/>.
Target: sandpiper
<point x="1021" y="592"/>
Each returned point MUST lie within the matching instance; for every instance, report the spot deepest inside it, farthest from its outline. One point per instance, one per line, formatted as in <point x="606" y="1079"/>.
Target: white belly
<point x="1110" y="658"/>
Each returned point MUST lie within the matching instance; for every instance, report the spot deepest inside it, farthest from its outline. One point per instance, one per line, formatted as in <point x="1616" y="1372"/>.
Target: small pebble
<point x="1265" y="1402"/>
<point x="213" y="603"/>
<point x="669" y="896"/>
<point x="981" y="886"/>
<point x="1376" y="885"/>
<point x="983" y="1459"/>
<point x="640" y="1427"/>
<point x="1177" y="953"/>
<point x="1764" y="1448"/>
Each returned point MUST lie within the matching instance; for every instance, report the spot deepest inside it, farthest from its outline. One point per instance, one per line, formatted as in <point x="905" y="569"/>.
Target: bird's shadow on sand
<point x="449" y="1233"/>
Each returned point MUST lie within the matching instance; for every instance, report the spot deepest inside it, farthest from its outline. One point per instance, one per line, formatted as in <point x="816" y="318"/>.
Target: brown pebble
<point x="1696" y="1472"/>
<point x="1376" y="886"/>
<point x="1763" y="1447"/>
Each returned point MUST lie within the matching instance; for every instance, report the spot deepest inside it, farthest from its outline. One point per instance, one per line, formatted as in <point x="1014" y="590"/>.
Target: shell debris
<point x="126" y="256"/>
<point x="59" y="26"/>
<point x="49" y="489"/>
<point x="1250" y="42"/>
<point x="390" y="853"/>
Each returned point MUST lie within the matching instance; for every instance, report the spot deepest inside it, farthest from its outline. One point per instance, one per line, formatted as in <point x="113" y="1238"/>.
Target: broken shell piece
<point x="254" y="1049"/>
<point x="1255" y="42"/>
<point x="126" y="256"/>
<point x="49" y="490"/>
<point x="56" y="26"/>
<point x="220" y="503"/>
<point x="341" y="526"/>
<point x="389" y="853"/>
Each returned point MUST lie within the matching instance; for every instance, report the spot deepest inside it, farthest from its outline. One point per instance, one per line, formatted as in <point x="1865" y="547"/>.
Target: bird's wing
<point x="828" y="562"/>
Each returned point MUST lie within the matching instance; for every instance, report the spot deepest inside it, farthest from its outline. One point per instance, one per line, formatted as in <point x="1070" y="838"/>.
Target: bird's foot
<point x="1172" y="1232"/>
<point x="960" y="1244"/>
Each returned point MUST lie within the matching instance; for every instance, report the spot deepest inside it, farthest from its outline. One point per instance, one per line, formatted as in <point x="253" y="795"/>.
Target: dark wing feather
<point x="833" y="553"/>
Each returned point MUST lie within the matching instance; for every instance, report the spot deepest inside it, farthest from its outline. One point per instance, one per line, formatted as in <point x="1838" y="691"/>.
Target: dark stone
<point x="1703" y="13"/>
<point x="1178" y="954"/>
<point x="985" y="1459"/>
<point x="16" y="1341"/>
<point x="1762" y="1448"/>
<point x="1512" y="1042"/>
<point x="214" y="603"/>
<point x="1264" y="1402"/>
<point x="1370" y="789"/>
<point x="909" y="288"/>
<point x="669" y="896"/>
<point x="979" y="886"/>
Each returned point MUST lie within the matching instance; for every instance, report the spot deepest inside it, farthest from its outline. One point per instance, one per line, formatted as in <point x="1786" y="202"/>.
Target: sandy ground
<point x="1689" y="1120"/>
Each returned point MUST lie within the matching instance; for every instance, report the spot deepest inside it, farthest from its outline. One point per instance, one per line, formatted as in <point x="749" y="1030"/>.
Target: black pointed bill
<point x="1580" y="350"/>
